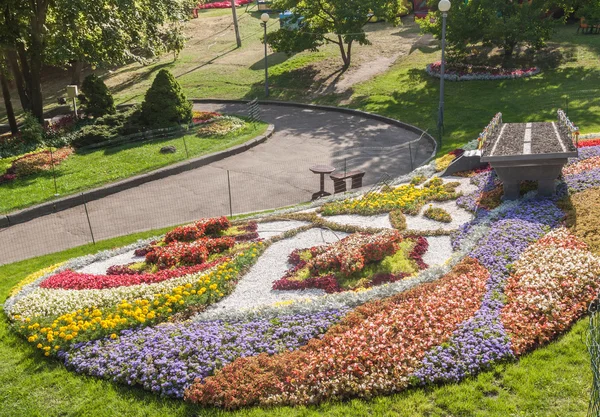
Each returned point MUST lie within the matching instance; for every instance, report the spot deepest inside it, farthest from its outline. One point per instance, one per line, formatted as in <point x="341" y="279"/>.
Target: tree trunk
<point x="10" y="113"/>
<point x="76" y="68"/>
<point x="36" y="56"/>
<point x="13" y="64"/>
<point x="349" y="54"/>
<point x="509" y="49"/>
<point x="238" y="39"/>
<point x="345" y="57"/>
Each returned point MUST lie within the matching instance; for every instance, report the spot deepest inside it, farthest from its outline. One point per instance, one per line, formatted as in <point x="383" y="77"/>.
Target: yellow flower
<point x="113" y="336"/>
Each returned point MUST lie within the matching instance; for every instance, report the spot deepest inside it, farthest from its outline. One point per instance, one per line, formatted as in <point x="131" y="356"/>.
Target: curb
<point x="345" y="110"/>
<point x="71" y="201"/>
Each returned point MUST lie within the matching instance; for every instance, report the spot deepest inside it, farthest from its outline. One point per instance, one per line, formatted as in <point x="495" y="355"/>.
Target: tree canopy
<point x="100" y="32"/>
<point x="340" y="22"/>
<point x="505" y="24"/>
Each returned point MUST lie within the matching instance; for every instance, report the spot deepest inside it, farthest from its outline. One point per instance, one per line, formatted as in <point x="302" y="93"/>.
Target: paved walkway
<point x="271" y="175"/>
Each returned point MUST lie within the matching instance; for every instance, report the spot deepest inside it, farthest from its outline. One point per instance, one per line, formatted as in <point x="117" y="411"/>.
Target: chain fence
<point x="243" y="183"/>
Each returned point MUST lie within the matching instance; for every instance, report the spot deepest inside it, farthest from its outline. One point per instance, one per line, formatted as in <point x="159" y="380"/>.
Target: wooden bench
<point x="339" y="180"/>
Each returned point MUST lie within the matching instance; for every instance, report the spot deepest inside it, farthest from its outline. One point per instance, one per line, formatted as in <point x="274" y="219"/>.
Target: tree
<point x="10" y="113"/>
<point x="505" y="24"/>
<point x="99" y="99"/>
<point x="165" y="103"/>
<point x="341" y="22"/>
<point x="59" y="32"/>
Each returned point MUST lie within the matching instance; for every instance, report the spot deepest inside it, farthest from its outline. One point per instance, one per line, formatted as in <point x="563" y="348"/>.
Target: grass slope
<point x="86" y="169"/>
<point x="551" y="381"/>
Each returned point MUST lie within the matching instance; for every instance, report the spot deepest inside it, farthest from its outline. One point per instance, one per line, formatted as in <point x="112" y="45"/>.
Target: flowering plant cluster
<point x="551" y="287"/>
<point x="58" y="331"/>
<point x="166" y="359"/>
<point x="221" y="126"/>
<point x="437" y="214"/>
<point x="407" y="198"/>
<point x="70" y="280"/>
<point x="357" y="261"/>
<point x="466" y="72"/>
<point x="373" y="350"/>
<point x="588" y="142"/>
<point x="223" y="4"/>
<point x="444" y="162"/>
<point x="200" y="117"/>
<point x="35" y="162"/>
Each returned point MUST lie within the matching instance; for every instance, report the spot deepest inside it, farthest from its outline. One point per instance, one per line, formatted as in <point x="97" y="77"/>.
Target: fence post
<point x="229" y="188"/>
<point x="53" y="172"/>
<point x="88" y="218"/>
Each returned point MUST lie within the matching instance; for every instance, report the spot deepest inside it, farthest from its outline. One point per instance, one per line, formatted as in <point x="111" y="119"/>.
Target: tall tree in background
<point x="340" y="22"/>
<point x="505" y="24"/>
<point x="59" y="32"/>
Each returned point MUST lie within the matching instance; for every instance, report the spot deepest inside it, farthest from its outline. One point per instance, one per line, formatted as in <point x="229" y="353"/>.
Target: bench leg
<point x="356" y="182"/>
<point x="339" y="186"/>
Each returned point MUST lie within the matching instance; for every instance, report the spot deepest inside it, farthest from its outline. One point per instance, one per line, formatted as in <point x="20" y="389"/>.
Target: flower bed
<point x="374" y="350"/>
<point x="356" y="262"/>
<point x="551" y="287"/>
<point x="182" y="353"/>
<point x="588" y="142"/>
<point x="223" y="4"/>
<point x="438" y="214"/>
<point x="35" y="162"/>
<point x="518" y="279"/>
<point x="200" y="117"/>
<point x="221" y="126"/>
<point x="464" y="72"/>
<point x="407" y="198"/>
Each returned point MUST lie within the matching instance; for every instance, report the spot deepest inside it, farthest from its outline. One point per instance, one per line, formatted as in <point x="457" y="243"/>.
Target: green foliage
<point x="99" y="99"/>
<point x="165" y="103"/>
<point x="340" y="22"/>
<point x="93" y="134"/>
<point x="505" y="24"/>
<point x="32" y="132"/>
<point x="438" y="214"/>
<point x="590" y="11"/>
<point x="397" y="220"/>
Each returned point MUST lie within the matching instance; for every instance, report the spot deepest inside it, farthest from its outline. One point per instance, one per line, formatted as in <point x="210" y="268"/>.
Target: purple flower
<point x="167" y="358"/>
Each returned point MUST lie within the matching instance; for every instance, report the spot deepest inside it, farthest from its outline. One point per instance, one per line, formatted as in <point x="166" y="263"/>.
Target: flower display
<point x="90" y="322"/>
<point x="481" y="340"/>
<point x="357" y="261"/>
<point x="200" y="117"/>
<point x="35" y="162"/>
<point x="465" y="72"/>
<point x="223" y="4"/>
<point x="373" y="350"/>
<point x="70" y="280"/>
<point x="167" y="358"/>
<point x="521" y="273"/>
<point x="551" y="287"/>
<point x="437" y="214"/>
<point x="221" y="126"/>
<point x="588" y="142"/>
<point x="407" y="198"/>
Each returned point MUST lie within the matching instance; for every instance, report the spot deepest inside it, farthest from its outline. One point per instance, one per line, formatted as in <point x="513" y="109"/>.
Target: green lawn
<point x="86" y="169"/>
<point x="552" y="381"/>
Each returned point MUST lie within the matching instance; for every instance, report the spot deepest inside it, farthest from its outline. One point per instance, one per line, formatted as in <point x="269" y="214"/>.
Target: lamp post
<point x="443" y="6"/>
<point x="265" y="18"/>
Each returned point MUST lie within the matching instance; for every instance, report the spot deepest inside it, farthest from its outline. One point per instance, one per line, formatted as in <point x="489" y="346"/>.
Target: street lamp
<point x="443" y="6"/>
<point x="265" y="18"/>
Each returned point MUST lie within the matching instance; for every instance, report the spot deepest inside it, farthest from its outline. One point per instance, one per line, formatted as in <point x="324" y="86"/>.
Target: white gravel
<point x="255" y="288"/>
<point x="379" y="221"/>
<point x="270" y="229"/>
<point x="100" y="267"/>
<point x="440" y="250"/>
<point x="465" y="184"/>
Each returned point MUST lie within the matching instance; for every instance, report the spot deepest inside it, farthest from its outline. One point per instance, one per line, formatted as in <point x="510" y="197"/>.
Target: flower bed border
<point x="453" y="76"/>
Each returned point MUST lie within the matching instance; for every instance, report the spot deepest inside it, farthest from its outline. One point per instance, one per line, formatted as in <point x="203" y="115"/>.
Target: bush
<point x="92" y="134"/>
<point x="32" y="132"/>
<point x="165" y="103"/>
<point x="99" y="99"/>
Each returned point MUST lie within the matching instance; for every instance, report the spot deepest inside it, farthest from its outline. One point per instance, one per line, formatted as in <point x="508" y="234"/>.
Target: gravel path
<point x="440" y="250"/>
<point x="255" y="288"/>
<point x="378" y="221"/>
<point x="100" y="267"/>
<point x="271" y="229"/>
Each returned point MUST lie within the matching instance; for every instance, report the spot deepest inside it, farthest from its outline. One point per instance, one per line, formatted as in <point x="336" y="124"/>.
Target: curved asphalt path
<point x="273" y="174"/>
